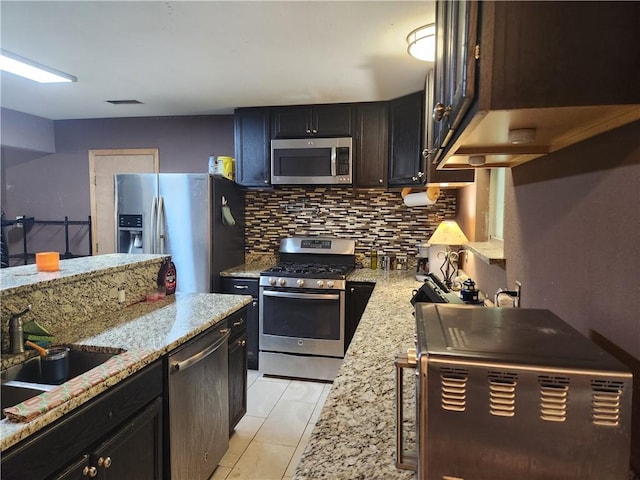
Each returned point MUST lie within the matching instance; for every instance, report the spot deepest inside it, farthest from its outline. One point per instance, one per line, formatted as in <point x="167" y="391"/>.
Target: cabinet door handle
<point x="237" y="324"/>
<point x="440" y="111"/>
<point x="90" y="471"/>
<point x="241" y="287"/>
<point x="104" y="462"/>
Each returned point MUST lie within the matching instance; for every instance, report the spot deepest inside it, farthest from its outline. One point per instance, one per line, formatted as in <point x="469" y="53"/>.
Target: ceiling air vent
<point x="124" y="102"/>
<point x="453" y="381"/>
<point x="502" y="393"/>
<point x="554" y="392"/>
<point x="605" y="402"/>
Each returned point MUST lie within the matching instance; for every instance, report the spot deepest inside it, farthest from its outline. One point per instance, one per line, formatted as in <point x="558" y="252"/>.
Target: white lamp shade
<point x="448" y="233"/>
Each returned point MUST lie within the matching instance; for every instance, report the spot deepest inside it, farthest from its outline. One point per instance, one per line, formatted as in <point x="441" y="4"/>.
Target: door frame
<point x="94" y="156"/>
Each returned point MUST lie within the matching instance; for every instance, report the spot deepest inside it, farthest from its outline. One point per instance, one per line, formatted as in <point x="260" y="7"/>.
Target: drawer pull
<point x="90" y="472"/>
<point x="104" y="462"/>
<point x="241" y="287"/>
<point x="237" y="324"/>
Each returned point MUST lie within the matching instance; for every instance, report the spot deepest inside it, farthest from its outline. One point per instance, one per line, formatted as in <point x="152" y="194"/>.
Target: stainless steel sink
<point x="23" y="381"/>
<point x="11" y="395"/>
<point x="80" y="361"/>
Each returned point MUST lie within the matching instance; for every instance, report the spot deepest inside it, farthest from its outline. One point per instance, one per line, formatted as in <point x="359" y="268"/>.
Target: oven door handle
<point x="302" y="296"/>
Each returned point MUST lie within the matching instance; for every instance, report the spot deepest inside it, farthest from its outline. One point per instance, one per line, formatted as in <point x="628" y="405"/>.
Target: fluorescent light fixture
<point x="12" y="63"/>
<point x="422" y="43"/>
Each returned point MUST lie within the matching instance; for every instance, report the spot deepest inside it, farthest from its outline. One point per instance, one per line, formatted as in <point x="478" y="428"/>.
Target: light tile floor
<point x="269" y="440"/>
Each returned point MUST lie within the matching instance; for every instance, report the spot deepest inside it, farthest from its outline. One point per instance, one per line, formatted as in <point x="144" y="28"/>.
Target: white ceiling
<point x="208" y="57"/>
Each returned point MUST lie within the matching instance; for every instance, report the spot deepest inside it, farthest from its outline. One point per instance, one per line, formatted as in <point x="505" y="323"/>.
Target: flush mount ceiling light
<point x="12" y="63"/>
<point x="422" y="43"/>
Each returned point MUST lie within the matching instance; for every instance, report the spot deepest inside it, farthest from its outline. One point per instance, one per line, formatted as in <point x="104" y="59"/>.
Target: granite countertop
<point x="148" y="331"/>
<point x="354" y="437"/>
<point x="23" y="276"/>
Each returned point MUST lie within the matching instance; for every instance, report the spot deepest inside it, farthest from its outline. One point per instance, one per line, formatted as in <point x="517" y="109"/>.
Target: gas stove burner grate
<point x="309" y="269"/>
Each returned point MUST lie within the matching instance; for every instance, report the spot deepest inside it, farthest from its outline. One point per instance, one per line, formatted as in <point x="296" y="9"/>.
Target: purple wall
<point x="572" y="235"/>
<point x="53" y="186"/>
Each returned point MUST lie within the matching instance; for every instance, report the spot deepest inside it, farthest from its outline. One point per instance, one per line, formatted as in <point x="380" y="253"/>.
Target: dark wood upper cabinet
<point x="252" y="147"/>
<point x="372" y="147"/>
<point x="333" y="120"/>
<point x="456" y="37"/>
<point x="544" y="66"/>
<point x="406" y="162"/>
<point x="443" y="178"/>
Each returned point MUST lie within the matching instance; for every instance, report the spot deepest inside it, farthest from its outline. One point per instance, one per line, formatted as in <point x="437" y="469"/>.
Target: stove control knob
<point x="282" y="282"/>
<point x="300" y="282"/>
<point x="320" y="283"/>
<point x="329" y="284"/>
<point x="272" y="281"/>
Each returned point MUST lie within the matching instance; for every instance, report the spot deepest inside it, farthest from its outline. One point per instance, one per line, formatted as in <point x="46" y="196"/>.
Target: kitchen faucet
<point x="516" y="295"/>
<point x="16" y="342"/>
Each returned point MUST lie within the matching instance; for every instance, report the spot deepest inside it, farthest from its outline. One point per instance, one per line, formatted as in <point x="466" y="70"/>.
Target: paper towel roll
<point x="419" y="199"/>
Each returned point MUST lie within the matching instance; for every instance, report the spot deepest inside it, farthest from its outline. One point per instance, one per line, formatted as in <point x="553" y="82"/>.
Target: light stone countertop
<point x="22" y="276"/>
<point x="149" y="329"/>
<point x="354" y="437"/>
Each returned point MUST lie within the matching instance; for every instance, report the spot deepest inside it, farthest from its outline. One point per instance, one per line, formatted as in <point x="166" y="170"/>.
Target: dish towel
<point x="34" y="407"/>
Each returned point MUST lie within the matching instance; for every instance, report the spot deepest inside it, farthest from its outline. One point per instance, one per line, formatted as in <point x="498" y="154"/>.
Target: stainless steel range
<point x="302" y="308"/>
<point x="505" y="393"/>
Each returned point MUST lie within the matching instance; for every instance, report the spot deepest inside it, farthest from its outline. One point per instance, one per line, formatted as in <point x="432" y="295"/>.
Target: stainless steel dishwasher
<point x="199" y="405"/>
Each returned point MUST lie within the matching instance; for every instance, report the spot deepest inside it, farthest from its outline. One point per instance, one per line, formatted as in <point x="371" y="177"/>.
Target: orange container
<point x="48" y="261"/>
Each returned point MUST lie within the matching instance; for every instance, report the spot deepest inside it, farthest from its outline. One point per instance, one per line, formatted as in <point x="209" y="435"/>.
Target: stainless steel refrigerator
<point x="198" y="219"/>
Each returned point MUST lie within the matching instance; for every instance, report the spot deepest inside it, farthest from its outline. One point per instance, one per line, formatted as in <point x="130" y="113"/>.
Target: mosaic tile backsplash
<point x="367" y="216"/>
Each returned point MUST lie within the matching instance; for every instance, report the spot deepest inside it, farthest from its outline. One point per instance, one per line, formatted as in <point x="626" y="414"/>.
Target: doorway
<point x="102" y="165"/>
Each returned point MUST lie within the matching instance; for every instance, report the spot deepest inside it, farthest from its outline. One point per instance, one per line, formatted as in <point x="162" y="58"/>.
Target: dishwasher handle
<point x="202" y="354"/>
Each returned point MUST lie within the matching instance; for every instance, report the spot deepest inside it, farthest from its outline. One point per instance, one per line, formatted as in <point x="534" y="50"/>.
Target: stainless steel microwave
<point x="312" y="161"/>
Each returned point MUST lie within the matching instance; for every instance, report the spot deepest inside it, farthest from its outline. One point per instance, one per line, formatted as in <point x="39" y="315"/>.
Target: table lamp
<point x="448" y="233"/>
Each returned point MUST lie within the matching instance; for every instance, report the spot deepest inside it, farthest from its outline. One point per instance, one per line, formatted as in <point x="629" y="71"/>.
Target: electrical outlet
<point x="121" y="296"/>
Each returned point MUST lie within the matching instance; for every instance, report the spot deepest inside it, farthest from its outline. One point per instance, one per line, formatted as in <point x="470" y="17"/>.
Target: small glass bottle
<point x="373" y="258"/>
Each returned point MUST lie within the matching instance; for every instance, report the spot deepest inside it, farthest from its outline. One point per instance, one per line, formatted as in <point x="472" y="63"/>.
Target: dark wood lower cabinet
<point x="238" y="366"/>
<point x="237" y="380"/>
<point x="123" y="424"/>
<point x="246" y="286"/>
<point x="358" y="294"/>
<point x="131" y="452"/>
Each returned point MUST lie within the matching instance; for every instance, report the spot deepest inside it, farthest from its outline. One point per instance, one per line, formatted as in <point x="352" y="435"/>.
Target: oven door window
<point x="302" y="315"/>
<point x="302" y="162"/>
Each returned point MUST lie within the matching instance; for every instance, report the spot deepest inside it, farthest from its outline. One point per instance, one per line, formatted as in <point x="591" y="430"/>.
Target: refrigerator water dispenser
<point x="130" y="234"/>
